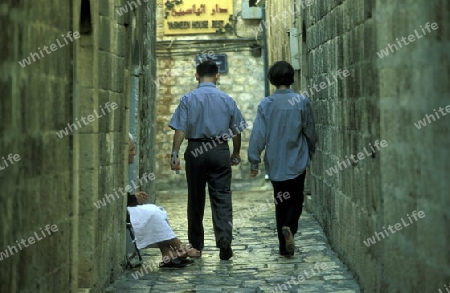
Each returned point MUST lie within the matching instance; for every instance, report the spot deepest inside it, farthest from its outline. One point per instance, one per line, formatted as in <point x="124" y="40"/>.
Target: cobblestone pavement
<point x="255" y="266"/>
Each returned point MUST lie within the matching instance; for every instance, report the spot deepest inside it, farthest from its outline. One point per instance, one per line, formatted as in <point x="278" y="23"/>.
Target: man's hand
<point x="253" y="173"/>
<point x="175" y="165"/>
<point x="235" y="159"/>
<point x="141" y="197"/>
<point x="178" y="138"/>
<point x="254" y="169"/>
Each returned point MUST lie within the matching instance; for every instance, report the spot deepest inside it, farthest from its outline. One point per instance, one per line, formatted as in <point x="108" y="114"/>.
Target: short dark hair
<point x="281" y="73"/>
<point x="207" y="68"/>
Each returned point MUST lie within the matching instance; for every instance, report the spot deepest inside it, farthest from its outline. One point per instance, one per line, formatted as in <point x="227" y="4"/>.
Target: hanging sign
<point x="197" y="17"/>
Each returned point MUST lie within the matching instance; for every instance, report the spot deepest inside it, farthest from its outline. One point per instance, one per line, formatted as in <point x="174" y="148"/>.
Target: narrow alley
<point x="112" y="108"/>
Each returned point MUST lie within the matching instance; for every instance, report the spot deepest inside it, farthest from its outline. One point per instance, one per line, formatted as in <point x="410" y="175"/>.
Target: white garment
<point x="150" y="225"/>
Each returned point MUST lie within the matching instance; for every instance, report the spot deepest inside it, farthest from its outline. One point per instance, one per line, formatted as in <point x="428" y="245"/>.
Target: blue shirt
<point x="284" y="127"/>
<point x="207" y="112"/>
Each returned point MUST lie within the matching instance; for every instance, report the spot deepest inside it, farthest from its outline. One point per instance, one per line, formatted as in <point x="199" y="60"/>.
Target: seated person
<point x="152" y="228"/>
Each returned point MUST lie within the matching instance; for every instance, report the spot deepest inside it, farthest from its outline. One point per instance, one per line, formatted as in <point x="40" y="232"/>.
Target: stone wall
<point x="342" y="37"/>
<point x="244" y="82"/>
<point x="381" y="99"/>
<point x="412" y="83"/>
<point x="37" y="190"/>
<point x="59" y="177"/>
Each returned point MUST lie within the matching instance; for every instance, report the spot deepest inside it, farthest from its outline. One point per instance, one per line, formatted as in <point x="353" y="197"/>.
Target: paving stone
<point x="255" y="266"/>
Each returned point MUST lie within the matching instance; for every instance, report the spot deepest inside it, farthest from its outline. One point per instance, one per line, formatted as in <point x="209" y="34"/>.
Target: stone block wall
<point x="100" y="152"/>
<point x="37" y="189"/>
<point x="279" y="19"/>
<point x="57" y="179"/>
<point x="413" y="82"/>
<point x="381" y="99"/>
<point x="340" y="36"/>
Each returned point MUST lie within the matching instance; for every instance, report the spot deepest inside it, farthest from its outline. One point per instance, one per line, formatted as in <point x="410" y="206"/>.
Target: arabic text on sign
<point x="198" y="11"/>
<point x="219" y="10"/>
<point x="193" y="10"/>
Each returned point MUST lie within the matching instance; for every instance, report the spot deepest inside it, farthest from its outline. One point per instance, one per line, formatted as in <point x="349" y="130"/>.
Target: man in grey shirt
<point x="284" y="127"/>
<point x="208" y="118"/>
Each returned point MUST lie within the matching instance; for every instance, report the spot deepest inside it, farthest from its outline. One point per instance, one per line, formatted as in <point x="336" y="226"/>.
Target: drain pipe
<point x="133" y="168"/>
<point x="265" y="53"/>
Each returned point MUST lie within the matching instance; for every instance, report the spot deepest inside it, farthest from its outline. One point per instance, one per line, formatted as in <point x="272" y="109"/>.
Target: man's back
<point x="283" y="130"/>
<point x="206" y="112"/>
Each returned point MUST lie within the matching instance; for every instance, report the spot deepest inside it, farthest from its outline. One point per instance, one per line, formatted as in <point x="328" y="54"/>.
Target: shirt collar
<point x="203" y="84"/>
<point x="283" y="91"/>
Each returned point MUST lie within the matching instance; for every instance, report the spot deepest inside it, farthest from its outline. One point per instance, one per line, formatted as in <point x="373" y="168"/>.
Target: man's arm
<point x="235" y="157"/>
<point x="178" y="138"/>
<point x="309" y="130"/>
<point x="179" y="123"/>
<point x="236" y="119"/>
<point x="257" y="142"/>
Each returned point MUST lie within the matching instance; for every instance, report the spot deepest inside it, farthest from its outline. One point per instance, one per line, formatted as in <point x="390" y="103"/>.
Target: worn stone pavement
<point x="255" y="266"/>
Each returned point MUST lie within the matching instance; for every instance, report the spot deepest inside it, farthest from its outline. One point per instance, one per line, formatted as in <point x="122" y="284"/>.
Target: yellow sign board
<point x="197" y="17"/>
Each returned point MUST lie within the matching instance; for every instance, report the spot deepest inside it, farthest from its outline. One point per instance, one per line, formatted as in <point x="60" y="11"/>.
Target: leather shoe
<point x="225" y="249"/>
<point x="289" y="238"/>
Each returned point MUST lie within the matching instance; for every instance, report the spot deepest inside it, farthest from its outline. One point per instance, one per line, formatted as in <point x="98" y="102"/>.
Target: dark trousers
<point x="213" y="166"/>
<point x="288" y="211"/>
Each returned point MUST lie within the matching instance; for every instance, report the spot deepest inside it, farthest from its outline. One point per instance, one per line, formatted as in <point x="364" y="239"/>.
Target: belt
<point x="201" y="139"/>
<point x="219" y="140"/>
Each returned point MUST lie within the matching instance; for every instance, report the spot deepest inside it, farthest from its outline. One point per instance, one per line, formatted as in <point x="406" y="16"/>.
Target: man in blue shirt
<point x="284" y="127"/>
<point x="208" y="118"/>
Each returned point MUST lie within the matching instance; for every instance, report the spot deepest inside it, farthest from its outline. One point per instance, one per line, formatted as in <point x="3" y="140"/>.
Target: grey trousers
<point x="212" y="166"/>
